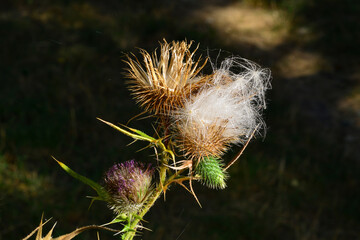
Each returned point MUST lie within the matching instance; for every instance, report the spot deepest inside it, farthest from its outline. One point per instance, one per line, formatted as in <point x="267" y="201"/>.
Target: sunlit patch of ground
<point x="299" y="63"/>
<point x="74" y="16"/>
<point x="16" y="179"/>
<point x="238" y="23"/>
<point x="351" y="104"/>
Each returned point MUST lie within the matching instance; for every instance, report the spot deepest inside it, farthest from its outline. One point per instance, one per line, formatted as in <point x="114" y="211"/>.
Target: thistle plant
<point x="198" y="117"/>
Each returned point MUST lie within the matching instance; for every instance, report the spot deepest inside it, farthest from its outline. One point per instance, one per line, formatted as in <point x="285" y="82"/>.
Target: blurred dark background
<point x="61" y="66"/>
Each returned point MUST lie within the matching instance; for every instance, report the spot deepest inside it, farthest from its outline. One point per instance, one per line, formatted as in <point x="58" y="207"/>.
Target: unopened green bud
<point x="210" y="170"/>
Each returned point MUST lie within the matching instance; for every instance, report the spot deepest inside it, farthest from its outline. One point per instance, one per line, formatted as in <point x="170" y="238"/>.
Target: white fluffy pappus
<point x="231" y="104"/>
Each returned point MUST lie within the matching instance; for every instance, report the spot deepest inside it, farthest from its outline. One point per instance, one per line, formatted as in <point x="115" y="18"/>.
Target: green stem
<point x="160" y="187"/>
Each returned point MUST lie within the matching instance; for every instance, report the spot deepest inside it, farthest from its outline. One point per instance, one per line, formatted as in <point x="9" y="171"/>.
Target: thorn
<point x="156" y="132"/>
<point x="141" y="149"/>
<point x="138" y="115"/>
<point x="193" y="193"/>
<point x="131" y="143"/>
<point x="242" y="150"/>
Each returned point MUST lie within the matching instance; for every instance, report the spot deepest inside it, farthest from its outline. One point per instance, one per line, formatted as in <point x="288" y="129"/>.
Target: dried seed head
<point x="198" y="142"/>
<point x="162" y="83"/>
<point x="129" y="185"/>
<point x="224" y="112"/>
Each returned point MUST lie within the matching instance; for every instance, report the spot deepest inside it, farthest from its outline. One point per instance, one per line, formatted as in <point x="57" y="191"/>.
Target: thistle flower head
<point x="224" y="112"/>
<point x="162" y="83"/>
<point x="129" y="185"/>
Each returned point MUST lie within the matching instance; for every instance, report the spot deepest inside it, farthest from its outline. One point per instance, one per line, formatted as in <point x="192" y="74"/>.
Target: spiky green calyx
<point x="210" y="170"/>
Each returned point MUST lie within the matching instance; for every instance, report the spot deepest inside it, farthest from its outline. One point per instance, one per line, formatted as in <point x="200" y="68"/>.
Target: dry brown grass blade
<point x="48" y="236"/>
<point x="68" y="236"/>
<point x="38" y="229"/>
<point x="73" y="234"/>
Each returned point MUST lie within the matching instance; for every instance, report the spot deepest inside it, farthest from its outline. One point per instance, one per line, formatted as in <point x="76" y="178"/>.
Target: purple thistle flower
<point x="129" y="185"/>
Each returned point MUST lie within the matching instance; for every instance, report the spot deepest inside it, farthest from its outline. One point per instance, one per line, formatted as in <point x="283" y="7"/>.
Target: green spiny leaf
<point x="141" y="133"/>
<point x="118" y="219"/>
<point x="138" y="136"/>
<point x="103" y="194"/>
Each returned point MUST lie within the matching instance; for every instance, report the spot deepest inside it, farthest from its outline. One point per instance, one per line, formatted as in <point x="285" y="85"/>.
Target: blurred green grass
<point x="61" y="67"/>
